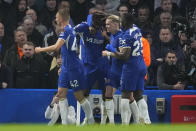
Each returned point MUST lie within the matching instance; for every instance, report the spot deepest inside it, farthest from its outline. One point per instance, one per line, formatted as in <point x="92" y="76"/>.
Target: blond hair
<point x="64" y="13"/>
<point x="114" y="18"/>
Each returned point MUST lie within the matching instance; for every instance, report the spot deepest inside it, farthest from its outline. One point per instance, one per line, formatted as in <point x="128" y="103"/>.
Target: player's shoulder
<point x="68" y="28"/>
<point x="82" y="24"/>
<point x="119" y="34"/>
<point x="67" y="31"/>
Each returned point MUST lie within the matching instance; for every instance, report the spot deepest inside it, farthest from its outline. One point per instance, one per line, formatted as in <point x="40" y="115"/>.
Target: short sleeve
<point x="81" y="27"/>
<point x="65" y="34"/>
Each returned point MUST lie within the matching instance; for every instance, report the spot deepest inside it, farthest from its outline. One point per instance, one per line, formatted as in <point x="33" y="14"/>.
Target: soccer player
<point x="142" y="105"/>
<point x="92" y="45"/>
<point x="112" y="26"/>
<point x="134" y="68"/>
<point x="71" y="75"/>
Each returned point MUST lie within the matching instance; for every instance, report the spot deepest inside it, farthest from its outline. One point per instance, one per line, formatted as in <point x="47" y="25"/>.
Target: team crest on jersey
<point x="122" y="41"/>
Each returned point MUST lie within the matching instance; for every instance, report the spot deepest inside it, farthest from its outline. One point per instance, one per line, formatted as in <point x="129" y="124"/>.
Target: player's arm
<point x="80" y="28"/>
<point x="124" y="53"/>
<point x="51" y="48"/>
<point x="50" y="109"/>
<point x="48" y="112"/>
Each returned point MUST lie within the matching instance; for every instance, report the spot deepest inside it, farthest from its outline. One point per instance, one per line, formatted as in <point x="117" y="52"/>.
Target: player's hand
<point x="105" y="52"/>
<point x="4" y="85"/>
<point x="54" y="100"/>
<point x="104" y="32"/>
<point x="182" y="86"/>
<point x="179" y="86"/>
<point x="37" y="50"/>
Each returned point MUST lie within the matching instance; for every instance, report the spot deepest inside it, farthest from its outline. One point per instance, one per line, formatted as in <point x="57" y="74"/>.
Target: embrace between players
<point x="126" y="72"/>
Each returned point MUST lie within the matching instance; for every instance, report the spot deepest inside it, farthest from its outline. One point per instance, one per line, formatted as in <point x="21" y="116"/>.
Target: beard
<point x="171" y="66"/>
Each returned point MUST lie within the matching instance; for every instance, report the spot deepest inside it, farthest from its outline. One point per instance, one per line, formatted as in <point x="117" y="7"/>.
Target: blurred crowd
<point x="168" y="25"/>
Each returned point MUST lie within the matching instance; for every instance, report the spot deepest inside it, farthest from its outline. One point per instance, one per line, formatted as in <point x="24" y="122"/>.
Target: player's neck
<point x="115" y="31"/>
<point x="64" y="24"/>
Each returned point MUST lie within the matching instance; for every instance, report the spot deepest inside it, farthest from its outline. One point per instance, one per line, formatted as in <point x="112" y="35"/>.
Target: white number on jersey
<point x="137" y="52"/>
<point x="74" y="45"/>
<point x="74" y="83"/>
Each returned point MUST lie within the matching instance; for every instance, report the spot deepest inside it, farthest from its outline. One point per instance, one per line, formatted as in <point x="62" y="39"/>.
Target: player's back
<point x="91" y="44"/>
<point x="70" y="59"/>
<point x="132" y="39"/>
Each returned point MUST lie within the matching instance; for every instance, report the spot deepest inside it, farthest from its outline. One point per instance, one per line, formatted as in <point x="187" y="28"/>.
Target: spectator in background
<point x="133" y="6"/>
<point x="47" y="14"/>
<point x="122" y="9"/>
<point x="149" y="36"/>
<point x="183" y="40"/>
<point x="5" y="41"/>
<point x="164" y="20"/>
<point x="187" y="7"/>
<point x="38" y="26"/>
<point x="33" y="34"/>
<point x="15" y="51"/>
<point x="21" y="7"/>
<point x="8" y="16"/>
<point x="168" y="6"/>
<point x="31" y="4"/>
<point x="53" y="73"/>
<point x="190" y="62"/>
<point x="101" y="5"/>
<point x="5" y="76"/>
<point x="63" y="3"/>
<point x="159" y="49"/>
<point x="171" y="74"/>
<point x="51" y="37"/>
<point x="112" y="5"/>
<point x="29" y="71"/>
<point x="144" y="21"/>
<point x="80" y="10"/>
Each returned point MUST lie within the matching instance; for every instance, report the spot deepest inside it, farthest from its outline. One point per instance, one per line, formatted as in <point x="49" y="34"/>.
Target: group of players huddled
<point x="116" y="65"/>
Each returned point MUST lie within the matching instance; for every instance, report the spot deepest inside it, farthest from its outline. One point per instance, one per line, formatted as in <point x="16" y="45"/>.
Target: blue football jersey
<point x="91" y="45"/>
<point x="116" y="66"/>
<point x="132" y="39"/>
<point x="70" y="59"/>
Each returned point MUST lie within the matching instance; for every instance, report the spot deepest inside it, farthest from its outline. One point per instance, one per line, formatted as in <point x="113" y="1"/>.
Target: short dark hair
<point x="170" y="51"/>
<point x="101" y="2"/>
<point x="165" y="27"/>
<point x="123" y="4"/>
<point x="19" y="29"/>
<point x="29" y="43"/>
<point x="128" y="20"/>
<point x="98" y="21"/>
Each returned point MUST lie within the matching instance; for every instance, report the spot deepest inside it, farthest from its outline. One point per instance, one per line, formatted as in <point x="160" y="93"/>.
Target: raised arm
<point x="51" y="48"/>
